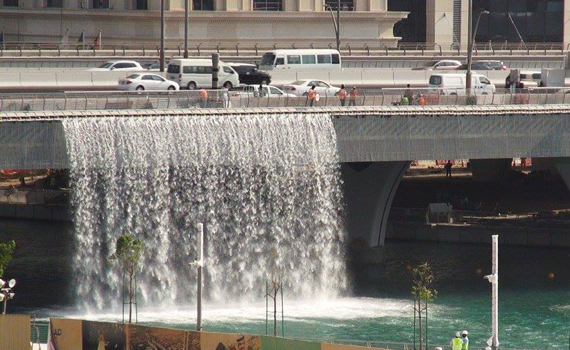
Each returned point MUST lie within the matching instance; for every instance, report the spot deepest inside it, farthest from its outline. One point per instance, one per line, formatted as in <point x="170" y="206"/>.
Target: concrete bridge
<point x="375" y="144"/>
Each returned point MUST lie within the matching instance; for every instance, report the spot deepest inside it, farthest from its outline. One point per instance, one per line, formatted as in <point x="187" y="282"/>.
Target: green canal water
<point x="534" y="309"/>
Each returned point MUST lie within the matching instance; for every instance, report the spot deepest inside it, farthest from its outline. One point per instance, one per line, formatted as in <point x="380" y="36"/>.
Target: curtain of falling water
<point x="257" y="182"/>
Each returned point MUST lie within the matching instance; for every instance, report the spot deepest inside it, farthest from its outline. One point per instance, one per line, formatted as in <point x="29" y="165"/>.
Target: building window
<point x="267" y="5"/>
<point x="54" y="3"/>
<point x="456" y="21"/>
<point x="101" y="4"/>
<point x="10" y="2"/>
<point x="203" y="5"/>
<point x="141" y="4"/>
<point x="345" y="5"/>
<point x="535" y="20"/>
<point x="412" y="28"/>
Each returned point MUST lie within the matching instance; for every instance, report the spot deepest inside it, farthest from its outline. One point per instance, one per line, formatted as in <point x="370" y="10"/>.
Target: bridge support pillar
<point x="369" y="192"/>
<point x="560" y="166"/>
<point x="490" y="170"/>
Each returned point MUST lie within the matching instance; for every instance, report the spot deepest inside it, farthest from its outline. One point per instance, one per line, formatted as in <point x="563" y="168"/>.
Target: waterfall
<point x="259" y="183"/>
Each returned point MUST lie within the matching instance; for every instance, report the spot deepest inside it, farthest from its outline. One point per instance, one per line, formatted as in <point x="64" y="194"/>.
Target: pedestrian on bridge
<point x="457" y="342"/>
<point x="203" y="98"/>
<point x="353" y="95"/>
<point x="342" y="95"/>
<point x="312" y="95"/>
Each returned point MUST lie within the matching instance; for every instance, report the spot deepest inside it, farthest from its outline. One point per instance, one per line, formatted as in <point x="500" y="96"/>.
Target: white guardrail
<point x="63" y="79"/>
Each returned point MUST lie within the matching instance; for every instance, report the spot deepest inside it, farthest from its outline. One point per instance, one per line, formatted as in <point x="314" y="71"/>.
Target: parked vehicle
<point x="484" y="65"/>
<point x="147" y="82"/>
<point x="454" y="84"/>
<point x="301" y="59"/>
<point x="268" y="91"/>
<point x="118" y="66"/>
<point x="249" y="74"/>
<point x="523" y="79"/>
<point x="301" y="87"/>
<point x="440" y="65"/>
<point x="197" y="73"/>
<point x="154" y="66"/>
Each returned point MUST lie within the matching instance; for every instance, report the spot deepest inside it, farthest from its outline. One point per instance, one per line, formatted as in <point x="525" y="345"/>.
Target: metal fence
<point x="152" y="49"/>
<point x="115" y="100"/>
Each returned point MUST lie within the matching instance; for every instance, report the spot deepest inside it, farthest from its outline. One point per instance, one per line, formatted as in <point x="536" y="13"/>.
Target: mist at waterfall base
<point x="260" y="185"/>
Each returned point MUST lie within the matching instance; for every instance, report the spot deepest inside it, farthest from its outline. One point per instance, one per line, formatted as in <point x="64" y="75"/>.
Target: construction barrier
<point x="70" y="334"/>
<point x="15" y="332"/>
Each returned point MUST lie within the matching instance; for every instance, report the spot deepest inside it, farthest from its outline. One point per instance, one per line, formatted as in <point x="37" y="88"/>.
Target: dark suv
<point x="249" y="74"/>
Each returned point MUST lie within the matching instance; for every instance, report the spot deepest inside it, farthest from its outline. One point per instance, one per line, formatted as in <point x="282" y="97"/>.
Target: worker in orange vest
<point x="353" y="94"/>
<point x="203" y="98"/>
<point x="342" y="95"/>
<point x="422" y="100"/>
<point x="312" y="95"/>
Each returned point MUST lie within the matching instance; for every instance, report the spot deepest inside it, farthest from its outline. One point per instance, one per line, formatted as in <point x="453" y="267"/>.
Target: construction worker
<point x="422" y="100"/>
<point x="203" y="98"/>
<point x="353" y="94"/>
<point x="312" y="95"/>
<point x="457" y="342"/>
<point x="465" y="345"/>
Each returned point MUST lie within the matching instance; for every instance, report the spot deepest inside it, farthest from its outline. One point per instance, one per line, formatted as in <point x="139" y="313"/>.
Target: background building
<point x="228" y="22"/>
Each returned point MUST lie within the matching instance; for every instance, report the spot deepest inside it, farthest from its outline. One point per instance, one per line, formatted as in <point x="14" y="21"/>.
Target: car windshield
<point x="106" y="65"/>
<point x="267" y="59"/>
<point x="133" y="76"/>
<point x="299" y="82"/>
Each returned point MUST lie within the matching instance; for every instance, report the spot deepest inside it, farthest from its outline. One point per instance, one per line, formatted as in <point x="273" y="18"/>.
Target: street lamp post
<point x="186" y="11"/>
<point x="162" y="35"/>
<point x="6" y="292"/>
<point x="471" y="43"/>
<point x="336" y="23"/>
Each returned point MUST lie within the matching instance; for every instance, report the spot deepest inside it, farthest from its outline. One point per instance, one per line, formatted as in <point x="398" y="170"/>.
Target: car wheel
<point x="192" y="86"/>
<point x="140" y="88"/>
<point x="171" y="88"/>
<point x="228" y="85"/>
<point x="264" y="82"/>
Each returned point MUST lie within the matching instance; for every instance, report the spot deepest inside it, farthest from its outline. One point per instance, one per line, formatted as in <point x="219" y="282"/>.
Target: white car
<point x="268" y="91"/>
<point x="301" y="87"/>
<point x="440" y="65"/>
<point x="149" y="82"/>
<point x="120" y="66"/>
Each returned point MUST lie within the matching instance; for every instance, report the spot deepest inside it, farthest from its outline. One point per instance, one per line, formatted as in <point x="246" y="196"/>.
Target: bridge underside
<point x="375" y="144"/>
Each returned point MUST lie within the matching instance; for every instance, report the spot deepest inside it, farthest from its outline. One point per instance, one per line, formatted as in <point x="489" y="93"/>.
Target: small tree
<point x="275" y="284"/>
<point x="6" y="250"/>
<point x="422" y="281"/>
<point x="128" y="252"/>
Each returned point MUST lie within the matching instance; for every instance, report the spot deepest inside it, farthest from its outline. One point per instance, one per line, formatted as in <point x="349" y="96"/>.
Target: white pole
<point x="199" y="263"/>
<point x="493" y="342"/>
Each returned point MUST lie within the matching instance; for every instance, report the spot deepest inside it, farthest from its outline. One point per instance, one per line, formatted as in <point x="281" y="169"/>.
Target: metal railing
<point x="107" y="100"/>
<point x="375" y="48"/>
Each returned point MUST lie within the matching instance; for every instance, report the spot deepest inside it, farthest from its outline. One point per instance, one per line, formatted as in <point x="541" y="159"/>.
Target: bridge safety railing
<point x="249" y="48"/>
<point x="112" y="100"/>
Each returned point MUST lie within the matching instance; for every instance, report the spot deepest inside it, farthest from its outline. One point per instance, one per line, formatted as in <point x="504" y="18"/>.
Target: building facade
<point x="212" y="22"/>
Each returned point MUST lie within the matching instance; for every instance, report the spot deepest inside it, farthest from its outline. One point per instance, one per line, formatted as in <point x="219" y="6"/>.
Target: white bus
<point x="301" y="59"/>
<point x="197" y="73"/>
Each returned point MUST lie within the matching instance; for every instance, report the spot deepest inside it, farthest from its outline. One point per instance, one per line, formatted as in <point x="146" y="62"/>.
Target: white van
<point x="454" y="84"/>
<point x="301" y="59"/>
<point x="197" y="73"/>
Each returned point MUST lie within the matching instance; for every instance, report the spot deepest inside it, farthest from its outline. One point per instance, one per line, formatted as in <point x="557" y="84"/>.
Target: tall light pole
<point x="199" y="263"/>
<point x="336" y="23"/>
<point x="471" y="43"/>
<point x="162" y="35"/>
<point x="186" y="11"/>
<point x="493" y="342"/>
